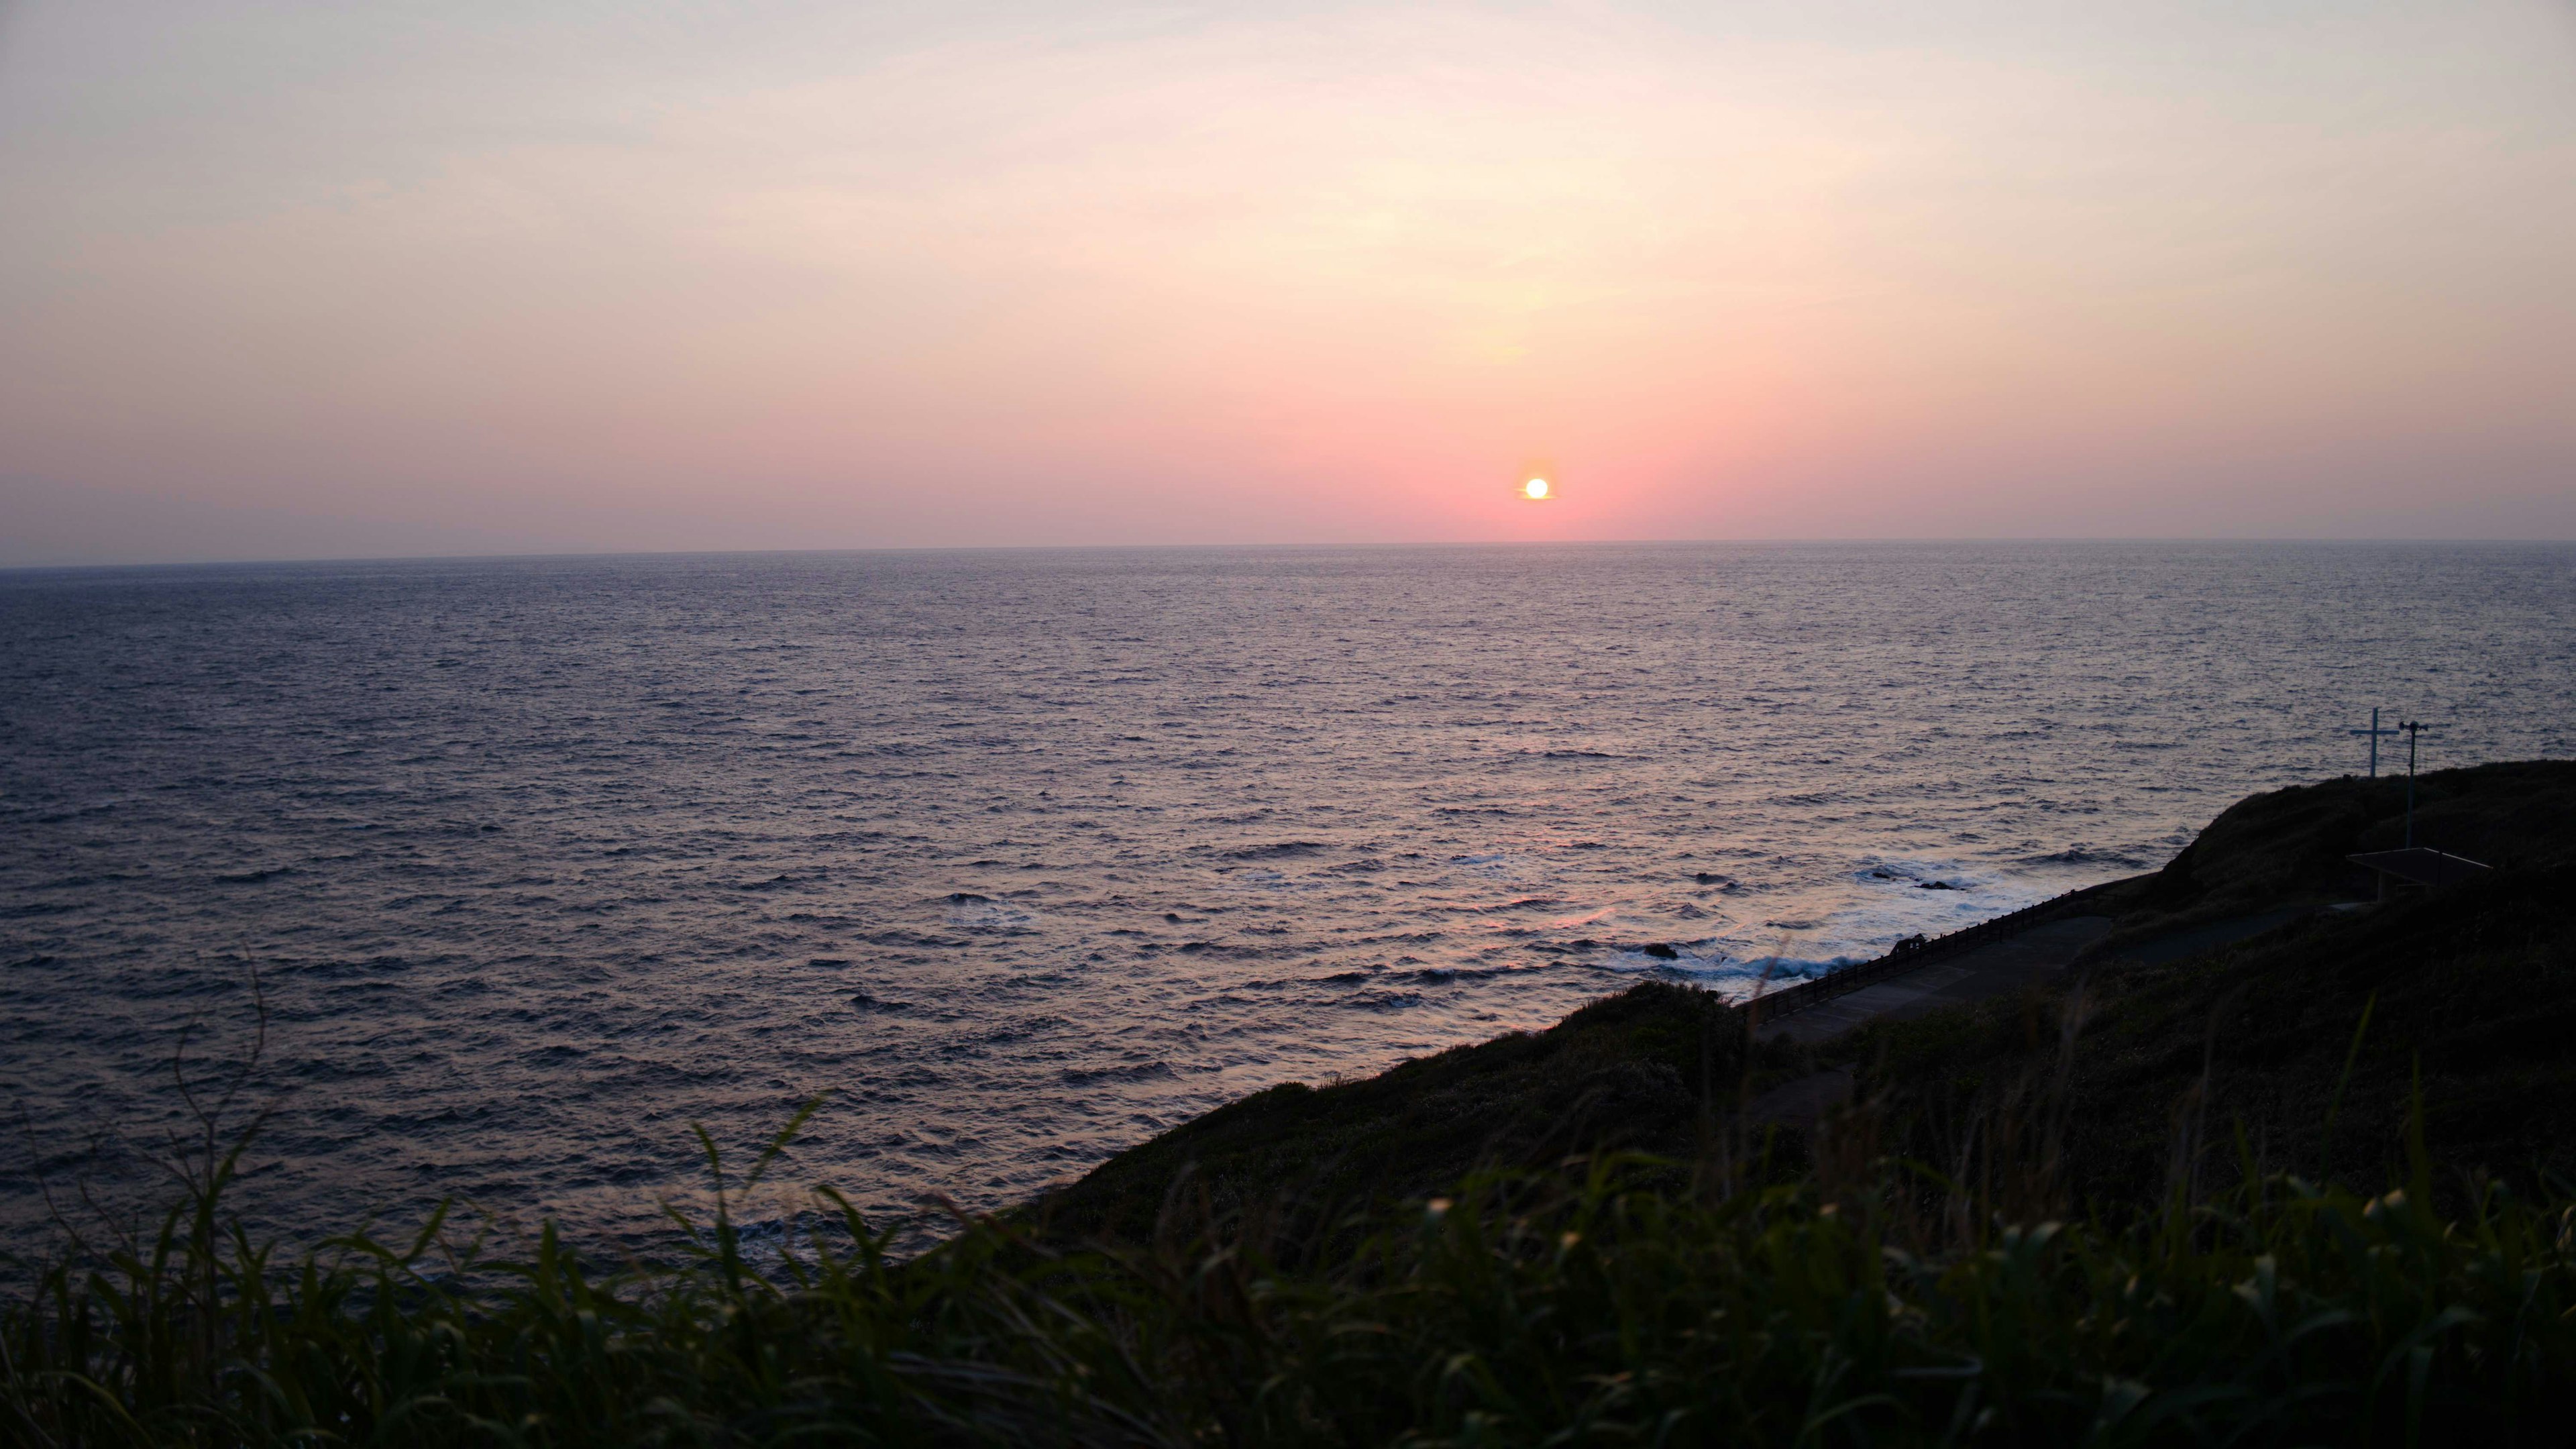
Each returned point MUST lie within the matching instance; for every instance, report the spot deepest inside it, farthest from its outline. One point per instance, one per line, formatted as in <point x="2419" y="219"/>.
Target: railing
<point x="1910" y="953"/>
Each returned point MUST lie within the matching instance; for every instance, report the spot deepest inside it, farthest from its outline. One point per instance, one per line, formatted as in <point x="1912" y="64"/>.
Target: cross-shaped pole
<point x="2374" y="732"/>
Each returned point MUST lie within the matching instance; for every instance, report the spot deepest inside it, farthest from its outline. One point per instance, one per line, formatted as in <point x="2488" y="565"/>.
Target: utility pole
<point x="2411" y="729"/>
<point x="2374" y="732"/>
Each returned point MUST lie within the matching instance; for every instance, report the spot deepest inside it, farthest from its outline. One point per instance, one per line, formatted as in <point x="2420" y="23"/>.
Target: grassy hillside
<point x="2099" y="1215"/>
<point x="1831" y="1313"/>
<point x="1644" y="1070"/>
<point x="2477" y="982"/>
<point x="2290" y="847"/>
<point x="2470" y="992"/>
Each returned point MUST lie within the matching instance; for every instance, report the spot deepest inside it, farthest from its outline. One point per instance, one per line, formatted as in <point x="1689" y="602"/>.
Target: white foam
<point x="1827" y="926"/>
<point x="984" y="915"/>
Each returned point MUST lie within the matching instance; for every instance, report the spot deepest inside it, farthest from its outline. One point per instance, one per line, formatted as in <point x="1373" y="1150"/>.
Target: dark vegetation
<point x="1643" y="1070"/>
<point x="2103" y="1213"/>
<point x="2289" y="847"/>
<point x="2309" y="1040"/>
<point x="2476" y="982"/>
<point x="1876" y="1308"/>
<point x="2470" y="991"/>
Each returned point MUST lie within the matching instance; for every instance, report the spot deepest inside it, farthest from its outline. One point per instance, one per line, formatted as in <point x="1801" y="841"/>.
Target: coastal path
<point x="1997" y="965"/>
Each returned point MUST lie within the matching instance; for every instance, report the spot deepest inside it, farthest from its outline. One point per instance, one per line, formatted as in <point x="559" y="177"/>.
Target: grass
<point x="1865" y="1301"/>
<point x="2120" y="1214"/>
<point x="2476" y="985"/>
<point x="2290" y="847"/>
<point x="2471" y="992"/>
<point x="1647" y="1069"/>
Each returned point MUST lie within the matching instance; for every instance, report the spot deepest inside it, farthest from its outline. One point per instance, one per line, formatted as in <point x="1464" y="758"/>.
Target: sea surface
<point x="1022" y="857"/>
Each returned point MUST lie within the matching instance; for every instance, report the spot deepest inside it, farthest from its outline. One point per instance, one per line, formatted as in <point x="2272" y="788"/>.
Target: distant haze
<point x="302" y="279"/>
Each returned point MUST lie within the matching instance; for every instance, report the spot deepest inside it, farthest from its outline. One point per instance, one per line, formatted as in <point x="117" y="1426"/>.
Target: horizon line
<point x="566" y="555"/>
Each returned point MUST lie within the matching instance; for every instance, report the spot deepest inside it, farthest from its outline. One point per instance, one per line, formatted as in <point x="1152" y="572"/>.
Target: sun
<point x="1535" y="489"/>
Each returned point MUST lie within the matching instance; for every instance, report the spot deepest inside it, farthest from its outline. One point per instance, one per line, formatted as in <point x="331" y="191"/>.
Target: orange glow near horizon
<point x="1297" y="276"/>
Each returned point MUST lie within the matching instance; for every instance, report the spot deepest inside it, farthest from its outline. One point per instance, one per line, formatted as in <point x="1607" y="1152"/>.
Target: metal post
<point x="2412" y="729"/>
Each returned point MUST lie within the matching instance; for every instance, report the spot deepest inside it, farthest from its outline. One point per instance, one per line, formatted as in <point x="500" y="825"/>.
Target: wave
<point x="1284" y="850"/>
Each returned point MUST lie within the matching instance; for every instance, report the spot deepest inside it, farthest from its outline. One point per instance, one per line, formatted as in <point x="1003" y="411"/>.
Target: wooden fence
<point x="1913" y="952"/>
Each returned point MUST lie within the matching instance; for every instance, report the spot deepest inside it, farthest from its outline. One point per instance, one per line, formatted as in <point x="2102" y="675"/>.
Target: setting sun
<point x="1535" y="489"/>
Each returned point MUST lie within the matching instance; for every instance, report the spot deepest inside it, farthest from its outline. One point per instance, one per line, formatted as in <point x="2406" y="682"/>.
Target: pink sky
<point x="286" y="280"/>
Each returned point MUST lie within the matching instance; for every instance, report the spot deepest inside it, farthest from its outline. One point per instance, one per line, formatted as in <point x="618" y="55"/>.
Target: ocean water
<point x="1025" y="856"/>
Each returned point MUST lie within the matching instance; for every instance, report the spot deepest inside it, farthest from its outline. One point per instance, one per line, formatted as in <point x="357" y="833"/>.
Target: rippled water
<point x="1026" y="856"/>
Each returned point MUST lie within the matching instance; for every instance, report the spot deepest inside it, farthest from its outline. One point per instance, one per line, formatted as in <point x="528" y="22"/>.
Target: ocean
<point x="1023" y="856"/>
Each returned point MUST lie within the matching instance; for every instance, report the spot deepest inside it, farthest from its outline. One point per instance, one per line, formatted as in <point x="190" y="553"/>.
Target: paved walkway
<point x="1997" y="968"/>
<point x="2212" y="936"/>
<point x="1994" y="969"/>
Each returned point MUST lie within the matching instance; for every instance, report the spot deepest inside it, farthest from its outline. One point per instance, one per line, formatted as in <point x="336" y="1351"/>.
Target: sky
<point x="299" y="280"/>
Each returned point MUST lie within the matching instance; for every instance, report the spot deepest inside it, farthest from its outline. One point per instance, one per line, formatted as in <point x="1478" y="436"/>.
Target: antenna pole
<point x="2412" y="729"/>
